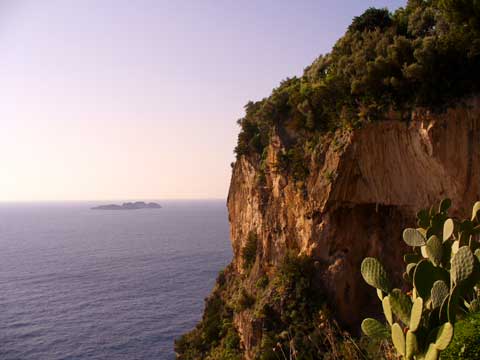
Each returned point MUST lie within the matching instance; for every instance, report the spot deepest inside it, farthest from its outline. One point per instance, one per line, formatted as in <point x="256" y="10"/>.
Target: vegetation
<point x="466" y="341"/>
<point x="295" y="318"/>
<point x="215" y="337"/>
<point x="443" y="273"/>
<point x="291" y="308"/>
<point x="288" y="310"/>
<point x="244" y="301"/>
<point x="293" y="161"/>
<point x="249" y="251"/>
<point x="262" y="282"/>
<point x="426" y="54"/>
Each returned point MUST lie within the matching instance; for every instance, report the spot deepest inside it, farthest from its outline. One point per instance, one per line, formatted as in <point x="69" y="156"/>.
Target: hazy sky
<point x="121" y="99"/>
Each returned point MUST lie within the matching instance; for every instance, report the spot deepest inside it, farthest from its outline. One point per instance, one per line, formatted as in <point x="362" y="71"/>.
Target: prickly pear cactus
<point x="401" y="305"/>
<point x="443" y="273"/>
<point x="448" y="228"/>
<point x="413" y="237"/>
<point x="375" y="275"/>
<point x="434" y="250"/>
<point x="462" y="265"/>
<point x="416" y="314"/>
<point x="439" y="293"/>
<point x="398" y="339"/>
<point x="375" y="329"/>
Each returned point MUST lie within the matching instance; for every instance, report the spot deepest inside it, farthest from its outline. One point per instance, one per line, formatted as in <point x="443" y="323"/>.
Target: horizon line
<point x="113" y="200"/>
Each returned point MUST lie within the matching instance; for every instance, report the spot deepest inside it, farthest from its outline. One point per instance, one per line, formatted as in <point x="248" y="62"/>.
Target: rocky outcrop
<point x="129" y="206"/>
<point x="364" y="187"/>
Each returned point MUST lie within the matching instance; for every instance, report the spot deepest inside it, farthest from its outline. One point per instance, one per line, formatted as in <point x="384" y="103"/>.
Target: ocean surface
<point x="77" y="283"/>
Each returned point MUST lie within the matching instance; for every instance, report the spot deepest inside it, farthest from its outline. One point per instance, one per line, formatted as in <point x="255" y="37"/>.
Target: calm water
<point x="82" y="284"/>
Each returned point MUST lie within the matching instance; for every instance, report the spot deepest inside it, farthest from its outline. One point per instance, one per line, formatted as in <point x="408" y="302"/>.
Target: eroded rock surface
<point x="364" y="187"/>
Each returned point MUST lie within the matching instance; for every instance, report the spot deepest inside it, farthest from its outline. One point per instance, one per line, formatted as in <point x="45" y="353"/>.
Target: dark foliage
<point x="370" y="20"/>
<point x="215" y="336"/>
<point x="426" y="54"/>
<point x="289" y="320"/>
<point x="249" y="251"/>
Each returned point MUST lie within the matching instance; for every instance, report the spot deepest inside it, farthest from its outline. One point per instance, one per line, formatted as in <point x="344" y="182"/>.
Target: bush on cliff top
<point x="426" y="54"/>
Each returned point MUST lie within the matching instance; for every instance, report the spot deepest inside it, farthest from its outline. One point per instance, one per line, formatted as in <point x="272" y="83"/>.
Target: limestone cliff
<point x="364" y="186"/>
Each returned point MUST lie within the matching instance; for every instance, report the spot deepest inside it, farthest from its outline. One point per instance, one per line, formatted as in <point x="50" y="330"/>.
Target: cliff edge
<point x="363" y="188"/>
<point x="294" y="282"/>
<point x="330" y="168"/>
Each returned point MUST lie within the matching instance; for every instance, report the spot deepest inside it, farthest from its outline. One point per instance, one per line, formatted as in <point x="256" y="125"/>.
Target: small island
<point x="129" y="206"/>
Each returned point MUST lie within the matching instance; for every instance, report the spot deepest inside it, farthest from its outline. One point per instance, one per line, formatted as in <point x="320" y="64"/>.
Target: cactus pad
<point x="474" y="306"/>
<point x="411" y="269"/>
<point x="455" y="247"/>
<point x="398" y="339"/>
<point x="444" y="336"/>
<point x="380" y="294"/>
<point x="439" y="292"/>
<point x="475" y="209"/>
<point x="463" y="264"/>
<point x="374" y="329"/>
<point x="374" y="274"/>
<point x="453" y="302"/>
<point x="423" y="251"/>
<point x="445" y="205"/>
<point x="416" y="314"/>
<point x="423" y="278"/>
<point x="423" y="218"/>
<point x="448" y="227"/>
<point x="434" y="250"/>
<point x="401" y="305"/>
<point x="387" y="310"/>
<point x="411" y="344"/>
<point x="413" y="237"/>
<point x="432" y="353"/>
<point x="443" y="312"/>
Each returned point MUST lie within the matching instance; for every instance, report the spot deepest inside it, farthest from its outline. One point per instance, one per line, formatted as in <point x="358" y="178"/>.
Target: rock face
<point x="364" y="187"/>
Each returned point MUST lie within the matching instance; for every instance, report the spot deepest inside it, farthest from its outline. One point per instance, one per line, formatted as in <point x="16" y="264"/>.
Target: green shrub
<point x="330" y="175"/>
<point x="220" y="353"/>
<point x="262" y="282"/>
<point x="215" y="337"/>
<point x="288" y="313"/>
<point x="294" y="162"/>
<point x="244" y="301"/>
<point x="466" y="340"/>
<point x="370" y="20"/>
<point x="423" y="55"/>
<point x="249" y="251"/>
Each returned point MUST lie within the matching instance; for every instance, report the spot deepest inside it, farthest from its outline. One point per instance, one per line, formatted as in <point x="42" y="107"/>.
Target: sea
<point x="77" y="283"/>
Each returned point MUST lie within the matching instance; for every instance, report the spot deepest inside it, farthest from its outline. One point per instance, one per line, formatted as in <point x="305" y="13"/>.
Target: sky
<point x="130" y="100"/>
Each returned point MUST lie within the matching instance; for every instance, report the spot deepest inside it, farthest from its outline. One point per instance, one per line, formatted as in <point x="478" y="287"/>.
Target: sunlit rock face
<point x="363" y="188"/>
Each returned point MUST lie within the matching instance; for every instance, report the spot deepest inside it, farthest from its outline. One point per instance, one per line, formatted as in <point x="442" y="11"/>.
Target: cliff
<point x="330" y="168"/>
<point x="355" y="202"/>
<point x="364" y="187"/>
